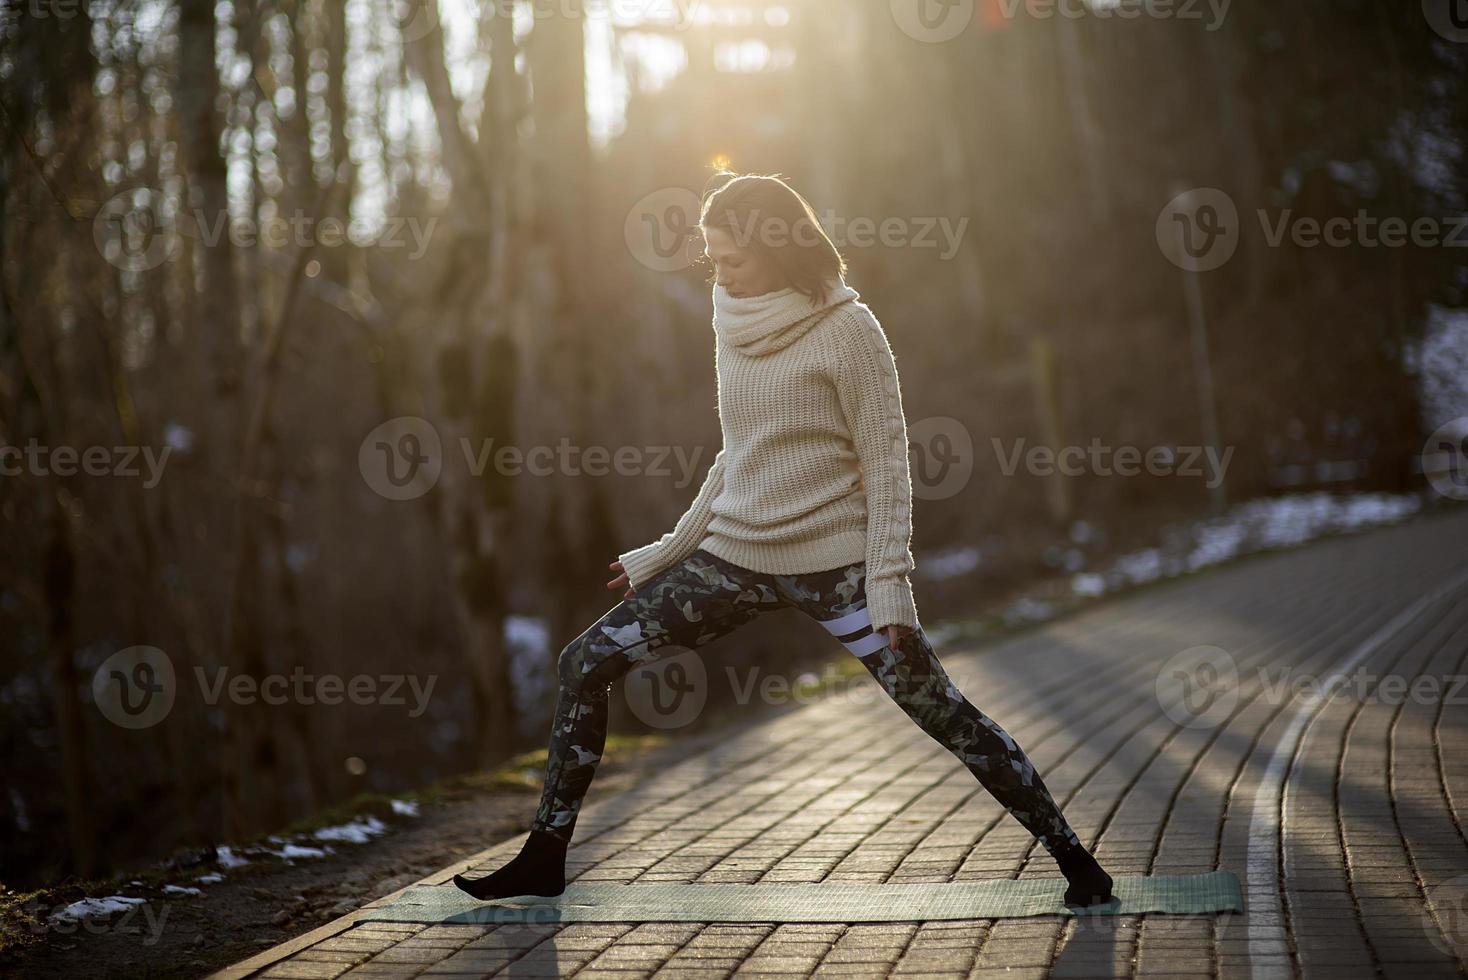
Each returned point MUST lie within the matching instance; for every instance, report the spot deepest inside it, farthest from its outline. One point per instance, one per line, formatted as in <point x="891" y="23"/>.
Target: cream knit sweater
<point x="813" y="474"/>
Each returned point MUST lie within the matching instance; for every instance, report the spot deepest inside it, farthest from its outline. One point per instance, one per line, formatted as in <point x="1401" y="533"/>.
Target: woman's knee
<point x="576" y="660"/>
<point x="591" y="662"/>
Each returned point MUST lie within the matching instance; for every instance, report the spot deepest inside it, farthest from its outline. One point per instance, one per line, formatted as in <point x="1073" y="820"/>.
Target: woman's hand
<point x="895" y="633"/>
<point x="621" y="581"/>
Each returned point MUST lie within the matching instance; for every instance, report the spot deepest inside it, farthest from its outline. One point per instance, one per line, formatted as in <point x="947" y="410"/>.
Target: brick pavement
<point x="1361" y="799"/>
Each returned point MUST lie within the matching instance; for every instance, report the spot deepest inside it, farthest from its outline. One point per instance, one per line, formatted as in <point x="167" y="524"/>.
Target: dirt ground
<point x="268" y="901"/>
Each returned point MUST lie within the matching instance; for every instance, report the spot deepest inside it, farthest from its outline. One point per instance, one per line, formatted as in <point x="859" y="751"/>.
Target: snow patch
<point x="950" y="562"/>
<point x="1252" y="526"/>
<point x="95" y="908"/>
<point x="227" y="858"/>
<point x="1440" y="362"/>
<point x="359" y="831"/>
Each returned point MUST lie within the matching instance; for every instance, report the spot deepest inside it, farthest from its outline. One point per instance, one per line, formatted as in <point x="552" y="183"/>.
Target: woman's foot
<point x="1089" y="884"/>
<point x="539" y="869"/>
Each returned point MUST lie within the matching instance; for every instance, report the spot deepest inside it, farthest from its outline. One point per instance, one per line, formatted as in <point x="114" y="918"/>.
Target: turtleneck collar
<point x="763" y="324"/>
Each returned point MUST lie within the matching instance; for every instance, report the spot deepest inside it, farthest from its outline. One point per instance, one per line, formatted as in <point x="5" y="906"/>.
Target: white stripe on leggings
<point x="852" y="622"/>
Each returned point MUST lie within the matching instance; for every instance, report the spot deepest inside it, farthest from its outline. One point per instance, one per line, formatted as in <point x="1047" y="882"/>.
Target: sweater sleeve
<point x="641" y="564"/>
<point x="871" y="400"/>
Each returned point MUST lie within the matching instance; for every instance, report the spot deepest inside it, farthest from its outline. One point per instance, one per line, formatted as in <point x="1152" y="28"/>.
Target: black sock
<point x="539" y="869"/>
<point x="1089" y="884"/>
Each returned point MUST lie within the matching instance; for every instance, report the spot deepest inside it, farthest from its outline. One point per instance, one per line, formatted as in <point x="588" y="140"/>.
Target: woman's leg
<point x="913" y="677"/>
<point x="701" y="598"/>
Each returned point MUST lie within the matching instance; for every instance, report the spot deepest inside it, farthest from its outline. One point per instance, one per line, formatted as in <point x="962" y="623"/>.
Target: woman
<point x="808" y="505"/>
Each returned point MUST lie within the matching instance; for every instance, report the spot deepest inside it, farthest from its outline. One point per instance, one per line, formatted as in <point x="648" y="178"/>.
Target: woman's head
<point x="761" y="235"/>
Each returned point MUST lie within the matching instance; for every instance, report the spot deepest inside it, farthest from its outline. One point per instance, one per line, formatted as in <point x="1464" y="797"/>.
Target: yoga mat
<point x="835" y="901"/>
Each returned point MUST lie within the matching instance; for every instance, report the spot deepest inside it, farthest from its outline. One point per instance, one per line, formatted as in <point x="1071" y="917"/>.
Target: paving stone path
<point x="1342" y="815"/>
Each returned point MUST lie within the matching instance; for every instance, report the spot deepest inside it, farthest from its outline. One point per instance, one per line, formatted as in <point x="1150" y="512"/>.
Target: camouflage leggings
<point x="704" y="597"/>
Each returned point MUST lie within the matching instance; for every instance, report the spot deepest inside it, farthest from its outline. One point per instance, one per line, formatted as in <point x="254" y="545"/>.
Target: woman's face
<point x="741" y="272"/>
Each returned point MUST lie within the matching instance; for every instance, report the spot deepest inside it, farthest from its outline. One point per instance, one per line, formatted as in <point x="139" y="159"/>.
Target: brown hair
<point x="769" y="217"/>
